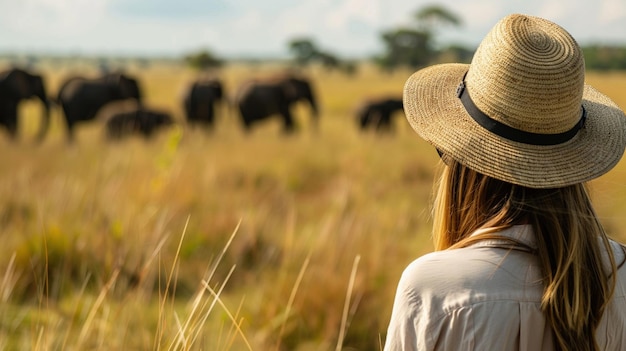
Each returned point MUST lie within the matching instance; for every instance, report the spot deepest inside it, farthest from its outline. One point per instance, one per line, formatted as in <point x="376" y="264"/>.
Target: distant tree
<point x="605" y="58"/>
<point x="414" y="46"/>
<point x="405" y="47"/>
<point x="328" y="60"/>
<point x="304" y="50"/>
<point x="31" y="62"/>
<point x="431" y="18"/>
<point x="203" y="60"/>
<point x="103" y="65"/>
<point x="143" y="62"/>
<point x="350" y="68"/>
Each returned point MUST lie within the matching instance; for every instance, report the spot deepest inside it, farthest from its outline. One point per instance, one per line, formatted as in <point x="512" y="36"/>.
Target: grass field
<point x="222" y="241"/>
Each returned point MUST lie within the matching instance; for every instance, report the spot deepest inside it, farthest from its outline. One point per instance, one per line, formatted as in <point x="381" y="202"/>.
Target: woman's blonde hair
<point x="568" y="234"/>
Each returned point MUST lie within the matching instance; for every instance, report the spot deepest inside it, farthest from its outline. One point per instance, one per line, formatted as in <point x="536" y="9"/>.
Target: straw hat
<point x="520" y="112"/>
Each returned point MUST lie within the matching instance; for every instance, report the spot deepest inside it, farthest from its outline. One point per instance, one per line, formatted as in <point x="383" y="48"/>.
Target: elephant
<point x="200" y="101"/>
<point x="81" y="98"/>
<point x="140" y="120"/>
<point x="17" y="85"/>
<point x="261" y="99"/>
<point x="376" y="113"/>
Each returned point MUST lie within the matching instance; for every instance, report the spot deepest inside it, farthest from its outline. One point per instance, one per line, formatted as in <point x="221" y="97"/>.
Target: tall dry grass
<point x="221" y="241"/>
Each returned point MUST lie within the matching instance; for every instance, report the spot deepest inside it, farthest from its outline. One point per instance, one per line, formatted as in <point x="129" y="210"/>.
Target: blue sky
<point x="349" y="28"/>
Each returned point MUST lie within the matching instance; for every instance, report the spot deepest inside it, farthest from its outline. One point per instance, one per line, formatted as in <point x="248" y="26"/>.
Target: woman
<point x="521" y="260"/>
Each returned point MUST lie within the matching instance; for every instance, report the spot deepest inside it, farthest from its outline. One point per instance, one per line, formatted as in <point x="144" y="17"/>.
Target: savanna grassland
<point x="222" y="241"/>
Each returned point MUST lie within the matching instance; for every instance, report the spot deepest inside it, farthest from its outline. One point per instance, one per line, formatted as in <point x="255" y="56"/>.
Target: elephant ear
<point x="290" y="90"/>
<point x="122" y="86"/>
<point x="20" y="84"/>
<point x="112" y="81"/>
<point x="129" y="87"/>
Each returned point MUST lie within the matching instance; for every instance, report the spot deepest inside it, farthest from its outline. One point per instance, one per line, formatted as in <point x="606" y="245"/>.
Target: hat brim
<point x="437" y="115"/>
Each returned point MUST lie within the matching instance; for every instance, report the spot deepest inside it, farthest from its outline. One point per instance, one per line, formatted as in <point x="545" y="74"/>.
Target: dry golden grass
<point x="224" y="241"/>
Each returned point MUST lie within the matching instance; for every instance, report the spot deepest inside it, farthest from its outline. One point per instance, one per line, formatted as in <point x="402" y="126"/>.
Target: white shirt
<point x="485" y="297"/>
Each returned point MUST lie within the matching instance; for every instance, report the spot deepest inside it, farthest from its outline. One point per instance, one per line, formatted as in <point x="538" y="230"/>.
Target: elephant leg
<point x="385" y="121"/>
<point x="146" y="131"/>
<point x="363" y="120"/>
<point x="371" y="119"/>
<point x="289" y="125"/>
<point x="205" y="116"/>
<point x="11" y="124"/>
<point x="8" y="115"/>
<point x="375" y="119"/>
<point x="201" y="114"/>
<point x="211" y="117"/>
<point x="69" y="114"/>
<point x="246" y="118"/>
<point x="70" y="131"/>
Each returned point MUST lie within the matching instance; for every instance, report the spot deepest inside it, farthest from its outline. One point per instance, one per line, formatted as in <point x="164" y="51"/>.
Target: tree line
<point x="411" y="46"/>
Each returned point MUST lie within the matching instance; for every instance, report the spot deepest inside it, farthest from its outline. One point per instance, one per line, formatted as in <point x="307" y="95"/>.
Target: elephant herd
<point x="80" y="98"/>
<point x="116" y="98"/>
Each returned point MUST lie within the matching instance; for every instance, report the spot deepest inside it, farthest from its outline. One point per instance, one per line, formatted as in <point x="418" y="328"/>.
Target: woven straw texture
<point x="527" y="73"/>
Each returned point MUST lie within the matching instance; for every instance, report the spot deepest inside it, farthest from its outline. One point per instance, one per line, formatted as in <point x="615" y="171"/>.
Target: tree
<point x="605" y="58"/>
<point x="328" y="60"/>
<point x="405" y="47"/>
<point x="203" y="60"/>
<point x="414" y="46"/>
<point x="304" y="50"/>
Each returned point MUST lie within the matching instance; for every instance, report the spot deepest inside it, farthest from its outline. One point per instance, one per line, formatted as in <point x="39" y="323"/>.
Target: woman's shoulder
<point x="475" y="274"/>
<point x="485" y="255"/>
<point x="474" y="263"/>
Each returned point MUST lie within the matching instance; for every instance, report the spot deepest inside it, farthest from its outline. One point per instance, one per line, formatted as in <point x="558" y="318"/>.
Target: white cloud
<point x="612" y="11"/>
<point x="554" y="10"/>
<point x="299" y="19"/>
<point x="249" y="19"/>
<point x="366" y="11"/>
<point x="253" y="27"/>
<point x="52" y="17"/>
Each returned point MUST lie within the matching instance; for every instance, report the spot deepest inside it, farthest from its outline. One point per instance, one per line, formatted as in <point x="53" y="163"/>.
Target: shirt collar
<point x="525" y="235"/>
<point x="522" y="233"/>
